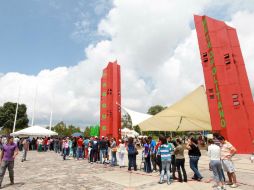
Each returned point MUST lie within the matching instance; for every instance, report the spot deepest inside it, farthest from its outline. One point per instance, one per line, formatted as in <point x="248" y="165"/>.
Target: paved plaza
<point x="47" y="170"/>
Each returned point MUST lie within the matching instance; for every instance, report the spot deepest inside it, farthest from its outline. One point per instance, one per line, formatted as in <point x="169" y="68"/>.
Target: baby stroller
<point x="142" y="164"/>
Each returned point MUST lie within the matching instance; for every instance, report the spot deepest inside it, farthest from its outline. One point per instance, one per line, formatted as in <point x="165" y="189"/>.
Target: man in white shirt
<point x="214" y="153"/>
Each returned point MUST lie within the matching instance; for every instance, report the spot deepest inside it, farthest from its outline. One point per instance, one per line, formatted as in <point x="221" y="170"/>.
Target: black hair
<point x="221" y="138"/>
<point x="163" y="139"/>
<point x="210" y="141"/>
<point x="178" y="141"/>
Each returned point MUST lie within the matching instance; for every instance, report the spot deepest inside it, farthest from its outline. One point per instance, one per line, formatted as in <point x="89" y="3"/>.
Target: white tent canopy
<point x="189" y="114"/>
<point x="34" y="131"/>
<point x="136" y="117"/>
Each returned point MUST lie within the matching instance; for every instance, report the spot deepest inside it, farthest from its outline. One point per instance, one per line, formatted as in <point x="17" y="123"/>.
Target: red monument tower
<point x="227" y="86"/>
<point x="110" y="115"/>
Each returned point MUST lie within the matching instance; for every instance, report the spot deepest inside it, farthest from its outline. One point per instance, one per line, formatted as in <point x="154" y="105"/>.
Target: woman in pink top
<point x="65" y="148"/>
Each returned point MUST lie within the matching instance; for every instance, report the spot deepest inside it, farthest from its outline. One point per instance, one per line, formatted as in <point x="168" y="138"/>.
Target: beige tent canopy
<point x="189" y="114"/>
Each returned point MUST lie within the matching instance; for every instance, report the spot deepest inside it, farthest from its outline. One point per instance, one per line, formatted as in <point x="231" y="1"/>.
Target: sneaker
<point x="229" y="183"/>
<point x="233" y="185"/>
<point x="224" y="187"/>
<point x="160" y="182"/>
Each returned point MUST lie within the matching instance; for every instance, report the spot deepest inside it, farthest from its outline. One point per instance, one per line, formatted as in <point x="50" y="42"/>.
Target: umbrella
<point x="77" y="134"/>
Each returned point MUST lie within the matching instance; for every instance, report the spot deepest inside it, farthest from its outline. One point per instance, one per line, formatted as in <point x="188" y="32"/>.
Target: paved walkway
<point x="47" y="171"/>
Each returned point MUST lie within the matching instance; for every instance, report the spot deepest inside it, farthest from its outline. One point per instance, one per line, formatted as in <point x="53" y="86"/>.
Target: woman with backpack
<point x="132" y="152"/>
<point x="194" y="155"/>
<point x="165" y="150"/>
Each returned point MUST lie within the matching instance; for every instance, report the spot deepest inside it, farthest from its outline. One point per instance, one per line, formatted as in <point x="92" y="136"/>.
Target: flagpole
<point x="16" y="113"/>
<point x="34" y="105"/>
<point x="50" y="121"/>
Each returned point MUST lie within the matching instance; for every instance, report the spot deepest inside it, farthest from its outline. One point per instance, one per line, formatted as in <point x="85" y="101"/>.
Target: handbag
<point x="136" y="151"/>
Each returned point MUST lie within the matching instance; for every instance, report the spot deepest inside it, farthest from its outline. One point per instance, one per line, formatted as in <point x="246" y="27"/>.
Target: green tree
<point x="155" y="109"/>
<point x="137" y="129"/>
<point x="7" y="116"/>
<point x="126" y="121"/>
<point x="87" y="132"/>
<point x="63" y="130"/>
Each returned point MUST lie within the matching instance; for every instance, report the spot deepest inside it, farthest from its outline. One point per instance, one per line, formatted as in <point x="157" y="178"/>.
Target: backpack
<point x="95" y="145"/>
<point x="131" y="150"/>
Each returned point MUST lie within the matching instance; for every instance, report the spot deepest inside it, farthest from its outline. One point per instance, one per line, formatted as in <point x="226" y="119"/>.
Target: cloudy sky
<point x="60" y="47"/>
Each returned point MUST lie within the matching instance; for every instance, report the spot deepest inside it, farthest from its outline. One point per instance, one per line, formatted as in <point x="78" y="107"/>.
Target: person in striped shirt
<point x="165" y="151"/>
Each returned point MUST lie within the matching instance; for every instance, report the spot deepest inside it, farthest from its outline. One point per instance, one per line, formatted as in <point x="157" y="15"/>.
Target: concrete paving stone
<point x="47" y="170"/>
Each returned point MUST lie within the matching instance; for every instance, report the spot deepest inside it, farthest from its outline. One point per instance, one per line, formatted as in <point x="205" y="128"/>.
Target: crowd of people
<point x="165" y="156"/>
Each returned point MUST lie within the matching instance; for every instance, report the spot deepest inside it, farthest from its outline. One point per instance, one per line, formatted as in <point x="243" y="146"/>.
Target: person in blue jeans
<point x="132" y="154"/>
<point x="148" y="168"/>
<point x="194" y="155"/>
<point x="102" y="148"/>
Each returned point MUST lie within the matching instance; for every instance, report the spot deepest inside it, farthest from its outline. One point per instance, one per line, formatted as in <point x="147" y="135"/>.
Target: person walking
<point x="214" y="153"/>
<point x="180" y="161"/>
<point x="165" y="151"/>
<point x="7" y="157"/>
<point x="25" y="143"/>
<point x="194" y="155"/>
<point x="227" y="152"/>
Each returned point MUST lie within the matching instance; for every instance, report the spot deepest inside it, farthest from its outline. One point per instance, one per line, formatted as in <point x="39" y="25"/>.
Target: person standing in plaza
<point x="121" y="151"/>
<point x="25" y="143"/>
<point x="194" y="155"/>
<point x="147" y="153"/>
<point x="102" y="148"/>
<point x="227" y="152"/>
<point x="65" y="148"/>
<point x="113" y="152"/>
<point x="180" y="161"/>
<point x="153" y="153"/>
<point x="165" y="151"/>
<point x="173" y="159"/>
<point x="132" y="154"/>
<point x="86" y="146"/>
<point x="80" y="148"/>
<point x="214" y="154"/>
<point x="7" y="157"/>
<point x="74" y="147"/>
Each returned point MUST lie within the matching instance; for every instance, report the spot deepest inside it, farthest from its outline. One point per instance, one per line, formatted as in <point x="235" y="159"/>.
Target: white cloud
<point x="158" y="52"/>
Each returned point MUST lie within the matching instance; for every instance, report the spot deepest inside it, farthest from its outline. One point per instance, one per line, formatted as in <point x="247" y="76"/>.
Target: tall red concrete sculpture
<point x="110" y="110"/>
<point x="227" y="86"/>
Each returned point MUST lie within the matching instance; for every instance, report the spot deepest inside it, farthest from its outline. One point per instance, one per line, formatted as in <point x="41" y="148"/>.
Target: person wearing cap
<point x="7" y="157"/>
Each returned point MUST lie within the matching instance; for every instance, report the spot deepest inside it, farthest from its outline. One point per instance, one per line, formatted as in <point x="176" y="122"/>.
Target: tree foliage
<point x="155" y="109"/>
<point x="126" y="121"/>
<point x="87" y="132"/>
<point x="137" y="129"/>
<point x="63" y="130"/>
<point x="7" y="115"/>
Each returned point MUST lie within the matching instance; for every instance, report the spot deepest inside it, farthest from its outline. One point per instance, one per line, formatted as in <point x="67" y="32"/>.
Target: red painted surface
<point x="110" y="116"/>
<point x="227" y="86"/>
